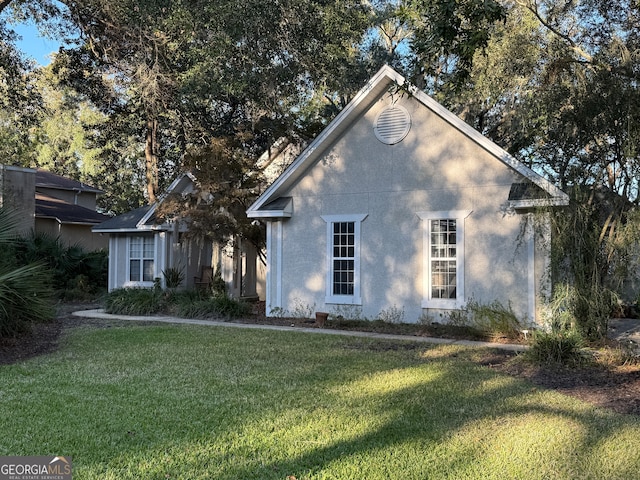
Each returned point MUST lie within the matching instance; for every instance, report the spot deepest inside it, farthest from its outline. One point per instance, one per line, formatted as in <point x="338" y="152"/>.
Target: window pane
<point x="148" y="271"/>
<point x="148" y="247"/>
<point x="343" y="277"/>
<point x="134" y="270"/>
<point x="135" y="247"/>
<point x="443" y="279"/>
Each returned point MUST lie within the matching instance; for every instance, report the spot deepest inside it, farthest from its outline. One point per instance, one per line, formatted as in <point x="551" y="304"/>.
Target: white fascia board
<point x="126" y="230"/>
<point x="171" y="188"/>
<point x="269" y="214"/>
<point x="540" y="202"/>
<point x="141" y="223"/>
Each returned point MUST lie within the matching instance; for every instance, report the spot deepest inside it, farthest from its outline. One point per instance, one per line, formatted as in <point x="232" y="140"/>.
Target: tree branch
<point x="4" y="4"/>
<point x="533" y="8"/>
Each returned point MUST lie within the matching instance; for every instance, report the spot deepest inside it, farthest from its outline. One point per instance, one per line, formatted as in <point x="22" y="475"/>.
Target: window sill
<point x="343" y="300"/>
<point x="138" y="284"/>
<point x="442" y="304"/>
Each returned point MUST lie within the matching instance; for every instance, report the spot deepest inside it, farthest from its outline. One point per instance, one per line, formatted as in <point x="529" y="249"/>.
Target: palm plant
<point x="25" y="291"/>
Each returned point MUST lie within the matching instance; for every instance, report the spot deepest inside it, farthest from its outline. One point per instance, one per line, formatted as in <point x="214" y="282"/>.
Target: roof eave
<point x="539" y="202"/>
<point x="269" y="214"/>
<point x="142" y="229"/>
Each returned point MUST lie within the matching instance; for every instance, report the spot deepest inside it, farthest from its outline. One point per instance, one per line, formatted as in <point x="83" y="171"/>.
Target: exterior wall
<point x="17" y="188"/>
<point x="168" y="253"/>
<point x="435" y="168"/>
<point x="72" y="234"/>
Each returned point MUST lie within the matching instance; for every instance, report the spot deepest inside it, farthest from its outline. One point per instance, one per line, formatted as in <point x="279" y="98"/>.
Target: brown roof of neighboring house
<point x="63" y="212"/>
<point x="47" y="179"/>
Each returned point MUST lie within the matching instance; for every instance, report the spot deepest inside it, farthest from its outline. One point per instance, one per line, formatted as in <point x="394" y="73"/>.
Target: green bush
<point x="494" y="319"/>
<point x="76" y="273"/>
<point x="135" y="301"/>
<point x="186" y="304"/>
<point x="586" y="310"/>
<point x="215" y="306"/>
<point x="173" y="276"/>
<point x="559" y="347"/>
<point x="25" y="290"/>
<point x="25" y="297"/>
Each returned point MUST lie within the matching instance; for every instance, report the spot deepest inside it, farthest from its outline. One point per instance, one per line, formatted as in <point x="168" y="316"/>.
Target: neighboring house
<point x="54" y="205"/>
<point x="400" y="206"/>
<point x="66" y="208"/>
<point x="141" y="248"/>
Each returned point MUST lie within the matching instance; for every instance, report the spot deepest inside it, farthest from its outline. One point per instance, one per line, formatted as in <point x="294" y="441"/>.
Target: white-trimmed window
<point x="141" y="259"/>
<point x="343" y="258"/>
<point x="443" y="258"/>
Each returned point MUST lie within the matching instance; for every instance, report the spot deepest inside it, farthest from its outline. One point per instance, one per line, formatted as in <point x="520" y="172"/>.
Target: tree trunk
<point x="4" y="4"/>
<point x="151" y="159"/>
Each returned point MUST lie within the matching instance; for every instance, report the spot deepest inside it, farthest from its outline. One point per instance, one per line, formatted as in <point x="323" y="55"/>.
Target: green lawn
<point x="189" y="402"/>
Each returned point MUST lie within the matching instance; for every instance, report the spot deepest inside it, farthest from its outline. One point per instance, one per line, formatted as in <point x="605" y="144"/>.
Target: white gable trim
<point x="152" y="210"/>
<point x="372" y="90"/>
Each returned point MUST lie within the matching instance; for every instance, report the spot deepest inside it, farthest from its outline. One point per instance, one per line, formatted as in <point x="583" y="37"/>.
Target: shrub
<point x="188" y="303"/>
<point x="135" y="301"/>
<point x="494" y="319"/>
<point x="392" y="314"/>
<point x="559" y="347"/>
<point x="302" y="310"/>
<point x="25" y="297"/>
<point x="196" y="304"/>
<point x="173" y="276"/>
<point x="586" y="310"/>
<point x="68" y="264"/>
<point x="25" y="290"/>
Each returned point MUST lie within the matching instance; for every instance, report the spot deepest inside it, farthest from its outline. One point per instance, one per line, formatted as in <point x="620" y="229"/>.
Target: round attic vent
<point x="392" y="124"/>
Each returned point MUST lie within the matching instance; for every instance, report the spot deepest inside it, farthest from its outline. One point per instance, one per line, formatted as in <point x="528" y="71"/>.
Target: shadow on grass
<point x="198" y="402"/>
<point x="475" y="425"/>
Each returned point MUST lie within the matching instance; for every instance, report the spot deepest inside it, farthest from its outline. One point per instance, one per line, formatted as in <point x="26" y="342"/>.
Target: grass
<point x="189" y="402"/>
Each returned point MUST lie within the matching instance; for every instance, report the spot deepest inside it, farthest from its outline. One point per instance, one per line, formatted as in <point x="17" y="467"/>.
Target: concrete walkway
<point x="100" y="314"/>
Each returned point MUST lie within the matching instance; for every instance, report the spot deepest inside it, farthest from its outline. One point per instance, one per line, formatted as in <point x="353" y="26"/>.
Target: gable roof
<point x="67" y="213"/>
<point x="45" y="179"/>
<point x="264" y="206"/>
<point x="142" y="218"/>
<point x="126" y="222"/>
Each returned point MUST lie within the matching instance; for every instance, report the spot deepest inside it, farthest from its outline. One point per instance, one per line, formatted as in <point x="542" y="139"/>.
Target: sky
<point x="34" y="45"/>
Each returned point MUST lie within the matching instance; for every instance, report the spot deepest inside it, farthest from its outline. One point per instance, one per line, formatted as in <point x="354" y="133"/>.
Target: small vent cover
<point x="392" y="124"/>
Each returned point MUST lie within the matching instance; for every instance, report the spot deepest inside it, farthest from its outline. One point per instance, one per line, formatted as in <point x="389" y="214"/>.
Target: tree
<point x="20" y="103"/>
<point x="557" y="86"/>
<point x="446" y="35"/>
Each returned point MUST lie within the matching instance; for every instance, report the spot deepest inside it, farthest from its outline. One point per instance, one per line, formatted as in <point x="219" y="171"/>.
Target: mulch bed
<point x="615" y="388"/>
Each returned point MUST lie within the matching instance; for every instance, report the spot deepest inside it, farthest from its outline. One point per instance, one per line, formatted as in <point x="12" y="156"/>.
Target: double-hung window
<point x="141" y="258"/>
<point x="343" y="259"/>
<point x="443" y="259"/>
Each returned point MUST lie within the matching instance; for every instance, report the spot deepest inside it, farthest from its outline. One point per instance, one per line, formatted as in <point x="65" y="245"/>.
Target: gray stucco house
<point x="399" y="204"/>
